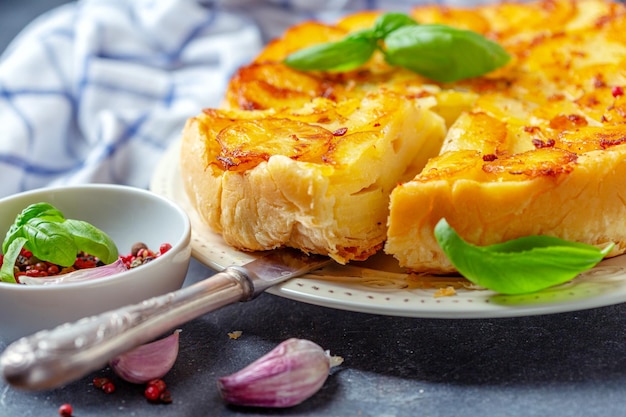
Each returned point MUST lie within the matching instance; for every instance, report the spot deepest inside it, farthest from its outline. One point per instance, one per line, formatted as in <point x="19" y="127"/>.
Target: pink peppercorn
<point x="152" y="393"/>
<point x="156" y="391"/>
<point x="617" y="91"/>
<point x="108" y="387"/>
<point x="66" y="410"/>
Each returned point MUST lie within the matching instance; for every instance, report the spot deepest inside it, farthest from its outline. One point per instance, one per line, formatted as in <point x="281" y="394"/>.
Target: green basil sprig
<point x="518" y="266"/>
<point x="345" y="55"/>
<point x="439" y="52"/>
<point x="44" y="230"/>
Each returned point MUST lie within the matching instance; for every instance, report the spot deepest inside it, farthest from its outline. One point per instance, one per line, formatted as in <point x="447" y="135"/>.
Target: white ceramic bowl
<point x="128" y="215"/>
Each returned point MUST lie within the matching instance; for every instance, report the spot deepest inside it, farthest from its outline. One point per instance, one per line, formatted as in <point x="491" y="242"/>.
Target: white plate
<point x="379" y="286"/>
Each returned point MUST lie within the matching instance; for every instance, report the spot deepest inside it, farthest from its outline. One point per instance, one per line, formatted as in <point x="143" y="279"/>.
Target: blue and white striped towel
<point x="96" y="90"/>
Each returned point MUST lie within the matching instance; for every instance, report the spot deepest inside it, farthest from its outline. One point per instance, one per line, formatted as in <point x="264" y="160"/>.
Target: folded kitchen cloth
<point x="96" y="90"/>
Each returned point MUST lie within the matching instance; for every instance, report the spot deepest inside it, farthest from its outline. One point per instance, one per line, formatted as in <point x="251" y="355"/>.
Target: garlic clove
<point x="289" y="374"/>
<point x="147" y="362"/>
<point x="80" y="275"/>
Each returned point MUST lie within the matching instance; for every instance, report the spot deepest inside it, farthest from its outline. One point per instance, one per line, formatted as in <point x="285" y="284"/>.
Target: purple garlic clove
<point x="289" y="374"/>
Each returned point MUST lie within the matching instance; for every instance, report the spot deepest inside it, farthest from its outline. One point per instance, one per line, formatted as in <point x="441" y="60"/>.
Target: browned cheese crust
<point x="344" y="163"/>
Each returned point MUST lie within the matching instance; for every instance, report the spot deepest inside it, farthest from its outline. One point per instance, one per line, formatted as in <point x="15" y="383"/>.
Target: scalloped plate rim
<point x="603" y="286"/>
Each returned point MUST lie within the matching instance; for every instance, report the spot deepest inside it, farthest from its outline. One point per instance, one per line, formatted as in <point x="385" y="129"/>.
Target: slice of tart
<point x="317" y="178"/>
<point x="308" y="159"/>
<point x="543" y="153"/>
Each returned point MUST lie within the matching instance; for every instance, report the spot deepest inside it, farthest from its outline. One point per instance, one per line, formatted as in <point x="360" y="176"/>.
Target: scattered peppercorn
<point x="152" y="393"/>
<point x="156" y="391"/>
<point x="65" y="410"/>
<point x="617" y="91"/>
<point x="28" y="265"/>
<point x="105" y="384"/>
<point x="108" y="387"/>
<point x="141" y="254"/>
<point x="159" y="384"/>
<point x="341" y="131"/>
<point x="137" y="247"/>
<point x="164" y="248"/>
<point x="166" y="397"/>
<point x="98" y="382"/>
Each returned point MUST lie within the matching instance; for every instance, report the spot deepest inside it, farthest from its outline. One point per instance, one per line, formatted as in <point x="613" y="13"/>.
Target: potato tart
<point x="344" y="163"/>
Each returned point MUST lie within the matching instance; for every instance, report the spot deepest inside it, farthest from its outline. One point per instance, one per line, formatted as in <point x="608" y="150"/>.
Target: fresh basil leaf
<point x="443" y="53"/>
<point x="519" y="266"/>
<point x="39" y="210"/>
<point x="344" y="55"/>
<point x="34" y="210"/>
<point x="12" y="234"/>
<point x="439" y="52"/>
<point x="10" y="256"/>
<point x="92" y="240"/>
<point x="43" y="230"/>
<point x="388" y="22"/>
<point x="49" y="241"/>
<point x="363" y="35"/>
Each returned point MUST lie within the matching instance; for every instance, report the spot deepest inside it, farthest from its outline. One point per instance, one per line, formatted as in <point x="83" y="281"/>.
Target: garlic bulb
<point x="289" y="374"/>
<point x="147" y="362"/>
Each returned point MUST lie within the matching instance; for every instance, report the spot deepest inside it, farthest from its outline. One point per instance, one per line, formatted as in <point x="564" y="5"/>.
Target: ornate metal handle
<point x="51" y="358"/>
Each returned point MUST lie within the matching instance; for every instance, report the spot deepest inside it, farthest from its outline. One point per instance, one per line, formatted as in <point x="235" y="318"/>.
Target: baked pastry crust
<point x="539" y="153"/>
<point x="533" y="148"/>
<point x="317" y="178"/>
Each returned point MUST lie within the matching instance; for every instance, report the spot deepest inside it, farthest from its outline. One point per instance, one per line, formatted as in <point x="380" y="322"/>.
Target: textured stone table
<point x="568" y="364"/>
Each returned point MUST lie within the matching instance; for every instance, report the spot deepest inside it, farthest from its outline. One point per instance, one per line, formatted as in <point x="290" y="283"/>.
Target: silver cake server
<point x="51" y="358"/>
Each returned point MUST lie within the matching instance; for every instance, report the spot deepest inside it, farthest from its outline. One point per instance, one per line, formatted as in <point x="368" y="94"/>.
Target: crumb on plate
<point x="445" y="292"/>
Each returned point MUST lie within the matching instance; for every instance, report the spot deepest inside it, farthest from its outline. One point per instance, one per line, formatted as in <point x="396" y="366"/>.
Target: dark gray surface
<point x="571" y="364"/>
